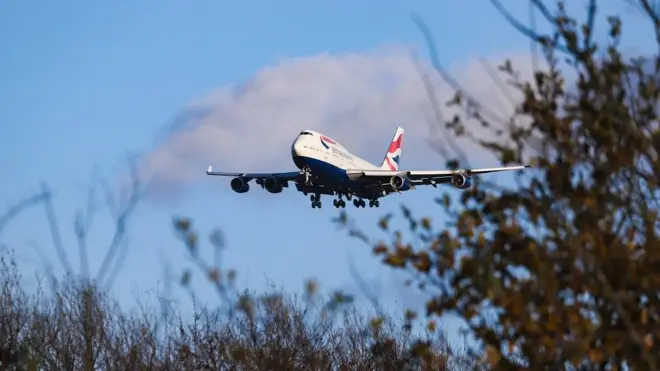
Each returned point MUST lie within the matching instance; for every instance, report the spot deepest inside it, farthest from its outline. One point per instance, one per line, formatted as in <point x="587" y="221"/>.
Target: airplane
<point x="327" y="168"/>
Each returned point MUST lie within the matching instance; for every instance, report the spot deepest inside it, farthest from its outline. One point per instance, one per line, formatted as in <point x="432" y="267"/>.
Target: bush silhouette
<point x="77" y="327"/>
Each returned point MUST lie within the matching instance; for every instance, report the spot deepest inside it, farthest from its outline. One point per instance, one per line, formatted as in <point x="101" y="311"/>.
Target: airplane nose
<point x="296" y="148"/>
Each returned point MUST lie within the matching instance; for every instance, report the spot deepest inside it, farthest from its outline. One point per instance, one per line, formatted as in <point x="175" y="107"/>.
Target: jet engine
<point x="461" y="181"/>
<point x="399" y="183"/>
<point x="272" y="185"/>
<point x="240" y="185"/>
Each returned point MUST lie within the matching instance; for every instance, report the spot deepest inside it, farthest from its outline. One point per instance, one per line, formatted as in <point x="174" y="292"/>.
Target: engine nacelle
<point x="461" y="181"/>
<point x="272" y="185"/>
<point x="399" y="183"/>
<point x="240" y="185"/>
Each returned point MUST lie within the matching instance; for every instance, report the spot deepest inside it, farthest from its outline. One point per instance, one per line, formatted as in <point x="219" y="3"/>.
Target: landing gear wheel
<point x="358" y="203"/>
<point x="316" y="200"/>
<point x="339" y="202"/>
<point x="374" y="203"/>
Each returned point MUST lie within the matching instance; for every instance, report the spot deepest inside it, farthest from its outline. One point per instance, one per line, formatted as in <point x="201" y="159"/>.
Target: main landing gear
<point x="358" y="202"/>
<point x="316" y="200"/>
<point x="339" y="203"/>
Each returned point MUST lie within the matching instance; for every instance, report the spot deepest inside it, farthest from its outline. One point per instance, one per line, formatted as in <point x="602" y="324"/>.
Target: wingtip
<point x="209" y="169"/>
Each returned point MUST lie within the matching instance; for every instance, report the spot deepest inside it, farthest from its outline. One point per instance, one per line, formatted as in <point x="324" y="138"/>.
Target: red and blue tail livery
<point x="325" y="167"/>
<point x="391" y="161"/>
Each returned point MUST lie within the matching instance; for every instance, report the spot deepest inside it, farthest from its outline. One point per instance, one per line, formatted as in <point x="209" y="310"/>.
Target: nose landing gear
<point x="308" y="176"/>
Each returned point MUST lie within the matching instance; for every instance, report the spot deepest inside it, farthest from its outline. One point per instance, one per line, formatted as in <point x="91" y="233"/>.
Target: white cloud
<point x="355" y="98"/>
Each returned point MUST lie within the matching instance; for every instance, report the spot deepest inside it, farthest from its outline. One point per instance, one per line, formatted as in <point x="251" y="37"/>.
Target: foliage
<point x="77" y="327"/>
<point x="562" y="269"/>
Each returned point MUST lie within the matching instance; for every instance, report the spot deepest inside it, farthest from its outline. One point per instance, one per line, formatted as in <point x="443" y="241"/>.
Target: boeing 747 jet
<point x="327" y="168"/>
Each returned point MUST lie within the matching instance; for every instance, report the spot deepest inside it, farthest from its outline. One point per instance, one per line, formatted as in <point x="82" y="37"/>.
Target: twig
<point x="121" y="220"/>
<point x="47" y="265"/>
<point x="545" y="41"/>
<point x="82" y="225"/>
<point x="55" y="230"/>
<point x="435" y="61"/>
<point x="364" y="288"/>
<point x="15" y="210"/>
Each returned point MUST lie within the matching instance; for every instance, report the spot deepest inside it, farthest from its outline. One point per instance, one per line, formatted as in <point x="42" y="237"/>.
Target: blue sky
<point x="84" y="83"/>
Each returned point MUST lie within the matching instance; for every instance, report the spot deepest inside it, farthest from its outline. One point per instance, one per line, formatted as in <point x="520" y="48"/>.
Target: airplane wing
<point x="426" y="176"/>
<point x="293" y="175"/>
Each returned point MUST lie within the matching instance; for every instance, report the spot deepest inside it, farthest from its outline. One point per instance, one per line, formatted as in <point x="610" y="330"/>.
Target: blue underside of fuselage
<point x="325" y="171"/>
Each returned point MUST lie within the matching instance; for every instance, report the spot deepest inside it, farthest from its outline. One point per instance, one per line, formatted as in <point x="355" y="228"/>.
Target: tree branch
<point x="122" y="216"/>
<point x="55" y="230"/>
<point x="15" y="210"/>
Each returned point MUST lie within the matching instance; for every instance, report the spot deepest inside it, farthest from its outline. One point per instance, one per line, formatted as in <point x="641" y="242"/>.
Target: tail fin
<point x="393" y="155"/>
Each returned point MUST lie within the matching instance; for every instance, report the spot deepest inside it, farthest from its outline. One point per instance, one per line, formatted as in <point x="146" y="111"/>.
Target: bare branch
<point x="474" y="109"/>
<point x="542" y="40"/>
<point x="122" y="253"/>
<point x="502" y="86"/>
<point x="55" y="230"/>
<point x="48" y="267"/>
<point x="439" y="121"/>
<point x="364" y="288"/>
<point x="651" y="10"/>
<point x="83" y="223"/>
<point x="15" y="210"/>
<point x="533" y="44"/>
<point x="122" y="216"/>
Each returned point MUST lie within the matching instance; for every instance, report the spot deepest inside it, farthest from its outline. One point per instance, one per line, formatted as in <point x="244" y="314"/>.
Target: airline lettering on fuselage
<point x="342" y="154"/>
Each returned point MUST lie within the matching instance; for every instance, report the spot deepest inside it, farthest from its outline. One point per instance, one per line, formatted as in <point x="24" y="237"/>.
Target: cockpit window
<point x="305" y="133"/>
